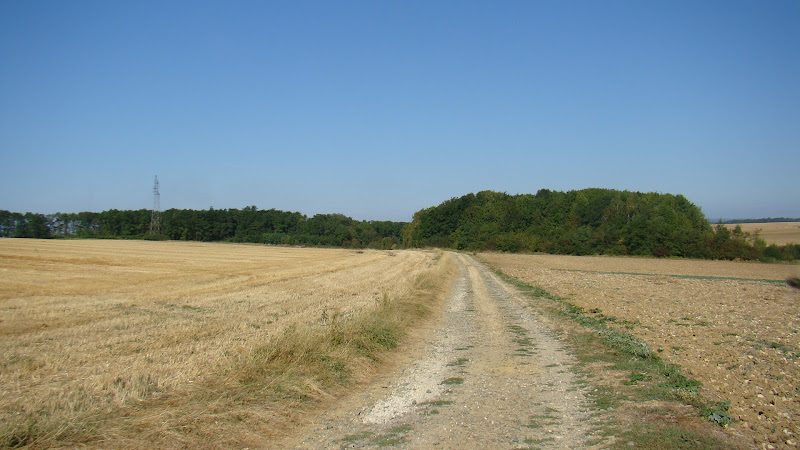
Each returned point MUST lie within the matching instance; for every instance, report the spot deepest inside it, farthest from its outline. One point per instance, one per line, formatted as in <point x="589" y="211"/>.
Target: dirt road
<point x="490" y="374"/>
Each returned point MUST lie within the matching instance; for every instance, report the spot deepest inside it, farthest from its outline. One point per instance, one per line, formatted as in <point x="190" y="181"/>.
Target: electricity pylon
<point x="155" y="217"/>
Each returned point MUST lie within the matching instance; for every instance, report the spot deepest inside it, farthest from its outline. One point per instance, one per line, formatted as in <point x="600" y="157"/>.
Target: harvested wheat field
<point x="139" y="344"/>
<point x="733" y="326"/>
<point x="778" y="233"/>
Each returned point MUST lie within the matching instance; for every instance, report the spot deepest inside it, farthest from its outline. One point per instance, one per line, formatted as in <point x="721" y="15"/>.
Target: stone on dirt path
<point x="491" y="375"/>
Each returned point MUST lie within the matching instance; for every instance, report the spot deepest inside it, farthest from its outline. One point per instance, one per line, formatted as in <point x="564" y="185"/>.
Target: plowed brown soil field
<point x="733" y="326"/>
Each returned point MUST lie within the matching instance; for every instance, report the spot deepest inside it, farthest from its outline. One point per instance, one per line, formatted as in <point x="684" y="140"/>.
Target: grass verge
<point x="687" y="277"/>
<point x="643" y="400"/>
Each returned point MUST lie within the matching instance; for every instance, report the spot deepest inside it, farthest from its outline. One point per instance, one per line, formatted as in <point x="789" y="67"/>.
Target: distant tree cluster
<point x="232" y="225"/>
<point x="27" y="225"/>
<point x="585" y="222"/>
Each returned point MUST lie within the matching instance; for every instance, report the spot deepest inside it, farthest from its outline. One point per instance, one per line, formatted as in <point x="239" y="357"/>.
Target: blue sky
<point x="376" y="109"/>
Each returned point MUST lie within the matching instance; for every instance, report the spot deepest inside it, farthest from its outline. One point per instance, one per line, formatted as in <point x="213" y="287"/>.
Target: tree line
<point x="585" y="222"/>
<point x="249" y="224"/>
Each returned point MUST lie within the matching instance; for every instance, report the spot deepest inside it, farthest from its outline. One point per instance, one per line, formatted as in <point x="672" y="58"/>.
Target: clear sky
<point x="376" y="109"/>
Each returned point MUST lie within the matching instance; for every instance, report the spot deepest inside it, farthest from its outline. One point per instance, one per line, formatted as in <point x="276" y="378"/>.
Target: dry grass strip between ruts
<point x="259" y="396"/>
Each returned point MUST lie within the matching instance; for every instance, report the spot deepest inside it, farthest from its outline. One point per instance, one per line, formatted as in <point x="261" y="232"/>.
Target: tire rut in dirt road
<point x="492" y="374"/>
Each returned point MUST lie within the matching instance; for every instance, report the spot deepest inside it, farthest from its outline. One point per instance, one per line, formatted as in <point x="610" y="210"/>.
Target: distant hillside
<point x="583" y="222"/>
<point x="767" y="220"/>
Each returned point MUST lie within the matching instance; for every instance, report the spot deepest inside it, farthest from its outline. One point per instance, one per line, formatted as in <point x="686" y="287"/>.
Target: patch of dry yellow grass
<point x="778" y="233"/>
<point x="136" y="331"/>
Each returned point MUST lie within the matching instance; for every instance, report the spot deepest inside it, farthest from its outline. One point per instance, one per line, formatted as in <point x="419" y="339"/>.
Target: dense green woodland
<point x="584" y="222"/>
<point x="233" y="225"/>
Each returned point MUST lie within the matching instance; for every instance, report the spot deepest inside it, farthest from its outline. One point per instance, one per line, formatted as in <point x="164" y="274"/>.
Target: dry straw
<point x="136" y="344"/>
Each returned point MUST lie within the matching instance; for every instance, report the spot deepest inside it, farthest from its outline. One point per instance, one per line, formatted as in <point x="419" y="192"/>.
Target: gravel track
<point x="491" y="373"/>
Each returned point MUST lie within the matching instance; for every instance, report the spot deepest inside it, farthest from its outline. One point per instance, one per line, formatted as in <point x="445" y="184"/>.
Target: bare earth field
<point x="733" y="326"/>
<point x="778" y="233"/>
<point x="92" y="328"/>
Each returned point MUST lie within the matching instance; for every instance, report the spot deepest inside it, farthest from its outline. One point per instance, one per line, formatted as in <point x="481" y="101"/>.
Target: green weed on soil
<point x="650" y="378"/>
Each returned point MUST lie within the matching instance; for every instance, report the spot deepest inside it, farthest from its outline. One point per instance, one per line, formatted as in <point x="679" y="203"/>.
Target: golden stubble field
<point x="778" y="233"/>
<point x="89" y="328"/>
<point x="734" y="326"/>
